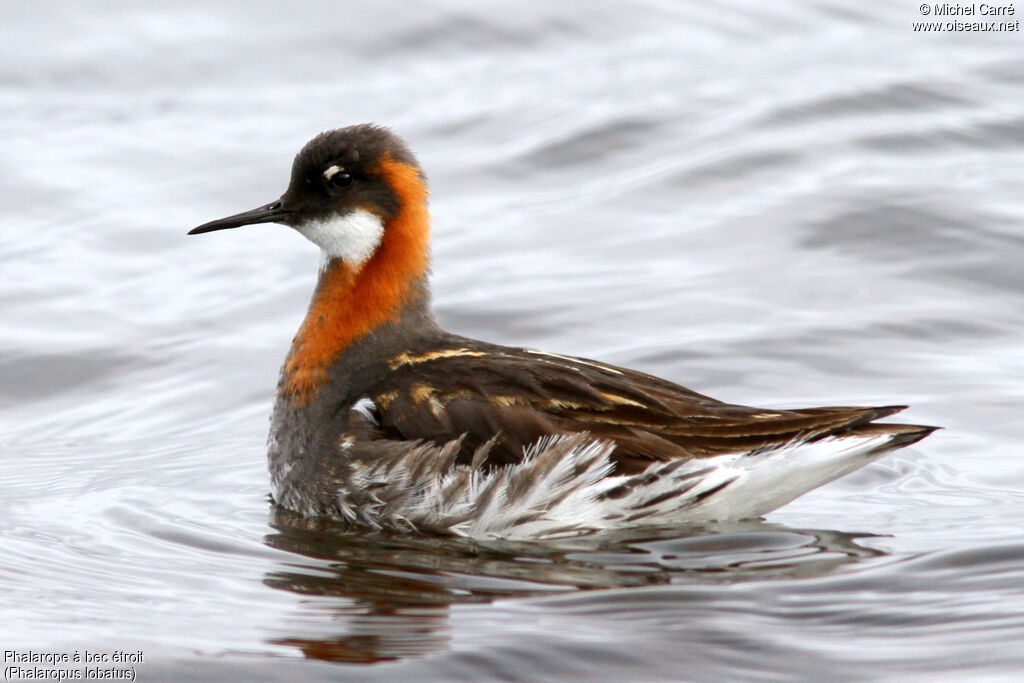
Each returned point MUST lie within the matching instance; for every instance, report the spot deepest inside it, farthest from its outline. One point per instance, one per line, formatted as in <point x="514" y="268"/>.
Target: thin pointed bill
<point x="271" y="213"/>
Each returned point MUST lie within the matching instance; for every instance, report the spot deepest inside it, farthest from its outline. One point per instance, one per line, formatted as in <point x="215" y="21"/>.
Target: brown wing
<point x="479" y="392"/>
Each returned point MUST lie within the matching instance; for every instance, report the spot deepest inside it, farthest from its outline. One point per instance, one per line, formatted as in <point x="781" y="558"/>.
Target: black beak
<point x="271" y="213"/>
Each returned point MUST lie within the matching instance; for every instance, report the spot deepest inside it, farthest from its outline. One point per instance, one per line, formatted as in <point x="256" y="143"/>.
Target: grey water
<point x="781" y="204"/>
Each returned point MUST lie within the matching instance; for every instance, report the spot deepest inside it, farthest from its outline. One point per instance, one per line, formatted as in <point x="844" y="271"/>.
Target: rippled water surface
<point x="784" y="204"/>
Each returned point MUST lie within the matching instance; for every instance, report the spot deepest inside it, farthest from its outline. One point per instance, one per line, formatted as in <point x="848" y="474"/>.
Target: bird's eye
<point x="341" y="180"/>
<point x="336" y="176"/>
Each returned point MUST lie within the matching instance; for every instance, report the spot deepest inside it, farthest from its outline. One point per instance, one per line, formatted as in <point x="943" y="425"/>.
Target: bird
<point x="383" y="420"/>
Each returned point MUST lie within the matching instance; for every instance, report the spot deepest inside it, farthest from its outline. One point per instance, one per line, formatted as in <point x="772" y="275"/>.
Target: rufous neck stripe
<point x="350" y="301"/>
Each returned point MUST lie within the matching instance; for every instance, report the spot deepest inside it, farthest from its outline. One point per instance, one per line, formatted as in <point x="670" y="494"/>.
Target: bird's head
<point x="348" y="186"/>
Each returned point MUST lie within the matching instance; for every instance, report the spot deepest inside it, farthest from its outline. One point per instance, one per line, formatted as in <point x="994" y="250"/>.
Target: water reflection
<point x="372" y="597"/>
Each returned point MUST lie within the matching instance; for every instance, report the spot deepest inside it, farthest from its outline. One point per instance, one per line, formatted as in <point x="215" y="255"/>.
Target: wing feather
<point x="479" y="392"/>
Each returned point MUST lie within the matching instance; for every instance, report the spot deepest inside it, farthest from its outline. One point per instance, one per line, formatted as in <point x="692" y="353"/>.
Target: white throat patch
<point x="353" y="237"/>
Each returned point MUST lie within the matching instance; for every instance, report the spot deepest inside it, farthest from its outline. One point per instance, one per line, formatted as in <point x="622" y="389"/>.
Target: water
<point x="781" y="204"/>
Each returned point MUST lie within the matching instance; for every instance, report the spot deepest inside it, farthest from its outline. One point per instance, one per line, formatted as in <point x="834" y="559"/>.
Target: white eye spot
<point x="352" y="237"/>
<point x="330" y="172"/>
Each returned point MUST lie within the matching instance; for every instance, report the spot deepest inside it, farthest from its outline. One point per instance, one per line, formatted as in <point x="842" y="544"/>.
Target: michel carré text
<point x="948" y="9"/>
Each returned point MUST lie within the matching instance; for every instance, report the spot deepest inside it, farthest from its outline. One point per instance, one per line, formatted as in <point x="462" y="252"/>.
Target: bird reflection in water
<point x="375" y="597"/>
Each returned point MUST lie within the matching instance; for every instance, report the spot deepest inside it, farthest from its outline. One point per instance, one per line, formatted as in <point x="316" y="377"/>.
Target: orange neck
<point x="352" y="300"/>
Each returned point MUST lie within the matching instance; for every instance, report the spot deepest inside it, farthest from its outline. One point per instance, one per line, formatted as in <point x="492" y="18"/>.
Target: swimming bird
<point x="384" y="420"/>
